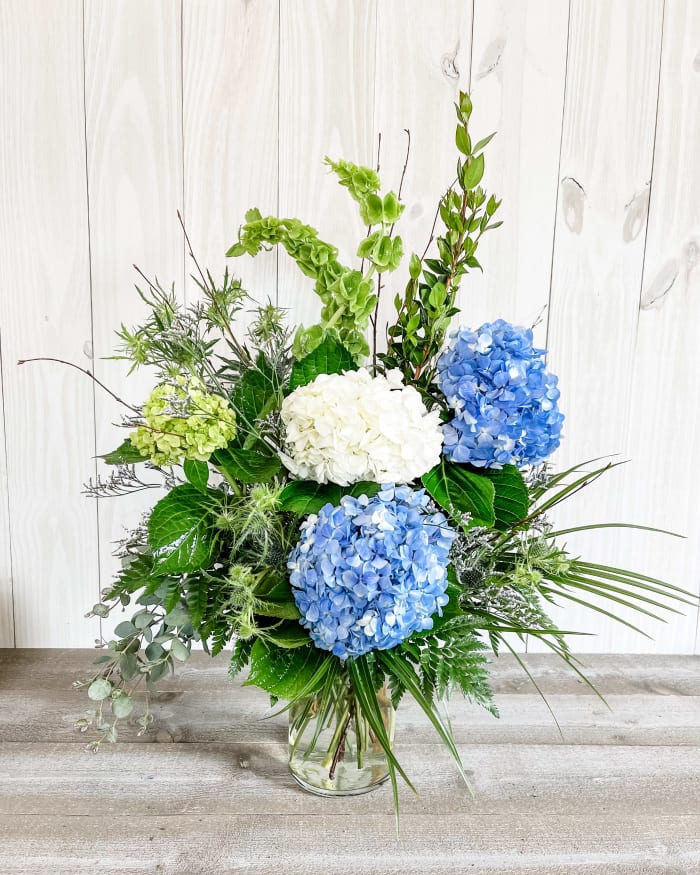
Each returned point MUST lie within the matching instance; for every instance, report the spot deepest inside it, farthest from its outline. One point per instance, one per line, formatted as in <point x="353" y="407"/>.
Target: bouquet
<point x="359" y="522"/>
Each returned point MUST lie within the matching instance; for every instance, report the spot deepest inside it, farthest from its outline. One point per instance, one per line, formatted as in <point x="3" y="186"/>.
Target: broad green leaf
<point x="247" y="466"/>
<point x="180" y="531"/>
<point x="285" y="673"/>
<point x="306" y="496"/>
<point x="125" y="629"/>
<point x="275" y="598"/>
<point x="197" y="473"/>
<point x="455" y="487"/>
<point x="511" y="500"/>
<point x="289" y="635"/>
<point x="462" y="140"/>
<point x="255" y="393"/>
<point x="473" y="172"/>
<point x="329" y="357"/>
<point x="125" y="454"/>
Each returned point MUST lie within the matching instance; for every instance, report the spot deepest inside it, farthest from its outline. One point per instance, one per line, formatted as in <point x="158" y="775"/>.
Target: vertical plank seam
<point x="556" y="196"/>
<point x="556" y="200"/>
<point x="182" y="148"/>
<point x="375" y="121"/>
<point x="471" y="48"/>
<point x="651" y="171"/>
<point x="92" y="315"/>
<point x="7" y="477"/>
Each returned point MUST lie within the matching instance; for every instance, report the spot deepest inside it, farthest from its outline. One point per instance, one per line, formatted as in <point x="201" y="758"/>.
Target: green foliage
<point x="425" y="310"/>
<point x="460" y="491"/>
<point x="346" y="295"/>
<point x="329" y="357"/>
<point x="286" y="673"/>
<point x="511" y="499"/>
<point x="181" y="530"/>
<point x="256" y="394"/>
<point x="361" y="182"/>
<point x="379" y="248"/>
<point x="257" y="465"/>
<point x="209" y="565"/>
<point x="303" y="497"/>
<point x="197" y="473"/>
<point x="176" y="340"/>
<point x="125" y="454"/>
<point x="240" y="657"/>
<point x="450" y="656"/>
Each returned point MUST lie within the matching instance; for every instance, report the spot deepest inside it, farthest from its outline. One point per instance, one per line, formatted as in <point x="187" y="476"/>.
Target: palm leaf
<point x="394" y="665"/>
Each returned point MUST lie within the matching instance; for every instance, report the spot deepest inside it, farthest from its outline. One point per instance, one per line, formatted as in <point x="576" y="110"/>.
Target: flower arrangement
<point x="359" y="522"/>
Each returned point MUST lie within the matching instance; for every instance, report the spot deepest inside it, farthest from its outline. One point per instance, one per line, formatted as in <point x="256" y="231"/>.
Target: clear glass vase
<point x="332" y="749"/>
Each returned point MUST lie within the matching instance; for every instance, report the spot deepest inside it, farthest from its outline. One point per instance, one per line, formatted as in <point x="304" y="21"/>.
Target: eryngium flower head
<point x="183" y="421"/>
<point x="504" y="399"/>
<point x="344" y="428"/>
<point x="368" y="573"/>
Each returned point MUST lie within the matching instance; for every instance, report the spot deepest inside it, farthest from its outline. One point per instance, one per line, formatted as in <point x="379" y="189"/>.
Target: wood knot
<point x="491" y="57"/>
<point x="573" y="199"/>
<point x="449" y="64"/>
<point x="655" y="295"/>
<point x="636" y="214"/>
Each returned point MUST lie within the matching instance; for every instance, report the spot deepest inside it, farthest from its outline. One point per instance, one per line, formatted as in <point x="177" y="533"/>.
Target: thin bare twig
<point x="405" y="164"/>
<point x="211" y="294"/>
<point x="82" y="371"/>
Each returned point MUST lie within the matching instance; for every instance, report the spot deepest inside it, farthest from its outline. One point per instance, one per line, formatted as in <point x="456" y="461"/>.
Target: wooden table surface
<point x="208" y="792"/>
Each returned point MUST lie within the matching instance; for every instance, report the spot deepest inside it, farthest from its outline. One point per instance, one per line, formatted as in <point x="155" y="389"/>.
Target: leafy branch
<point x="428" y="304"/>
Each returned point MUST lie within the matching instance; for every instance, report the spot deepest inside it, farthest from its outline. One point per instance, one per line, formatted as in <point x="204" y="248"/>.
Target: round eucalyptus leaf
<point x="122" y="705"/>
<point x="179" y="651"/>
<point x="99" y="689"/>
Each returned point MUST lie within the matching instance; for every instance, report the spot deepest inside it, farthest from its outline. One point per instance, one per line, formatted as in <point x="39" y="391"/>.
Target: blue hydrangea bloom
<point x="504" y="399"/>
<point x="369" y="572"/>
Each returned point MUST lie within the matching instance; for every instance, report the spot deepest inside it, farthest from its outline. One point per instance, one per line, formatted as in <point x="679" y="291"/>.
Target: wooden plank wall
<point x="114" y="115"/>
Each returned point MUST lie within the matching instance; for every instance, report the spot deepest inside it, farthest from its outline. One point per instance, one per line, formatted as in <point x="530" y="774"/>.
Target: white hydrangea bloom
<point x="343" y="428"/>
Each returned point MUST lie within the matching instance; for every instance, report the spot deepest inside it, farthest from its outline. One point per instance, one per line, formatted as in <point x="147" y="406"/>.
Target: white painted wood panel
<point x="420" y="70"/>
<point x="665" y="409"/>
<point x="134" y="158"/>
<point x="605" y="167"/>
<point x="326" y="107"/>
<point x="45" y="310"/>
<point x="517" y="86"/>
<point x="212" y="106"/>
<point x="7" y="622"/>
<point x="230" y="106"/>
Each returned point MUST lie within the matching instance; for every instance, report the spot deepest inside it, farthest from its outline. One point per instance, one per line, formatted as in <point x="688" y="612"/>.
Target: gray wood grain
<point x="617" y="794"/>
<point x="593" y="844"/>
<point x="47" y="669"/>
<point x="253" y="778"/>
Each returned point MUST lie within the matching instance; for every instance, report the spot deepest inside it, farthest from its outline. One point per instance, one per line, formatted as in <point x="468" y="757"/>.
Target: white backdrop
<point x="115" y="113"/>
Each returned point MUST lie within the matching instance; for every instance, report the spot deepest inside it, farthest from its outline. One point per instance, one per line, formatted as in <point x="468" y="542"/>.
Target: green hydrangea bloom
<point x="183" y="421"/>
